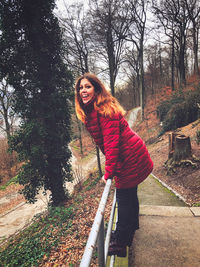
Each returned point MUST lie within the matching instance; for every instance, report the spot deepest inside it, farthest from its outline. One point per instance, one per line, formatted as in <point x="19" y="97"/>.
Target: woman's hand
<point x="103" y="180"/>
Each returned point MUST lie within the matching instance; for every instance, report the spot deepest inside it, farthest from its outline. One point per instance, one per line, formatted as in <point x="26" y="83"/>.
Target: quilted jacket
<point x="127" y="158"/>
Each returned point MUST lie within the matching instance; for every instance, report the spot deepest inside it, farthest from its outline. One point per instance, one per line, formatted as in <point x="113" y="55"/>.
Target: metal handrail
<point x="97" y="232"/>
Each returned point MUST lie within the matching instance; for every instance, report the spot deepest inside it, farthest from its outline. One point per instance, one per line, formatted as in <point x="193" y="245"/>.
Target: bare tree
<point x="136" y="34"/>
<point x="131" y="67"/>
<point x="79" y="49"/>
<point x="76" y="37"/>
<point x="8" y="116"/>
<point x="109" y="28"/>
<point x="154" y="66"/>
<point x="173" y="17"/>
<point x="76" y="43"/>
<point x="193" y="9"/>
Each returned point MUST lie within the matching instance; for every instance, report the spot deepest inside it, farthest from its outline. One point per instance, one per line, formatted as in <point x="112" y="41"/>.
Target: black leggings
<point x="128" y="215"/>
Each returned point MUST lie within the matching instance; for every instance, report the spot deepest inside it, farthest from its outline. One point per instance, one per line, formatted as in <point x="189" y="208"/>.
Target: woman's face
<point x="86" y="90"/>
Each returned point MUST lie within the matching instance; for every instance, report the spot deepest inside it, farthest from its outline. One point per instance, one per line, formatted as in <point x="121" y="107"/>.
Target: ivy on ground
<point x="31" y="245"/>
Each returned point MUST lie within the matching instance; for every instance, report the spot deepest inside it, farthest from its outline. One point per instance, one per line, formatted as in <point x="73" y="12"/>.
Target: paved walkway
<point x="20" y="216"/>
<point x="169" y="234"/>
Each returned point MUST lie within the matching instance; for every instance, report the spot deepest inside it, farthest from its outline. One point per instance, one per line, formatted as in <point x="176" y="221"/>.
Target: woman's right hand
<point x="103" y="180"/>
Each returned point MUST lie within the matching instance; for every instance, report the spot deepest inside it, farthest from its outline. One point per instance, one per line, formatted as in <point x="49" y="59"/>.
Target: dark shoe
<point x="112" y="238"/>
<point x="116" y="249"/>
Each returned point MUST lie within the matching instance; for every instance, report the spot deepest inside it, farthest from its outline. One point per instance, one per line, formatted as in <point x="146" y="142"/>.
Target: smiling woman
<point x="127" y="159"/>
<point x="86" y="90"/>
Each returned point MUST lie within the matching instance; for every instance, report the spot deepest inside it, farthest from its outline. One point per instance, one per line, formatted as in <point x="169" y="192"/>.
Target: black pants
<point x="128" y="215"/>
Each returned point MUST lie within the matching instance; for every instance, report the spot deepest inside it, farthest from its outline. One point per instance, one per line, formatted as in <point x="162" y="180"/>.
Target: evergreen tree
<point x="31" y="58"/>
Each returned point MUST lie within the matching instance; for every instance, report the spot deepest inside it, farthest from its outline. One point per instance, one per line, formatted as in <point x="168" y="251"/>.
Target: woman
<point x="127" y="159"/>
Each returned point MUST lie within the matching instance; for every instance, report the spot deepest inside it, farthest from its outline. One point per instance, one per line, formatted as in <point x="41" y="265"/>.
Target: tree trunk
<point x="195" y="49"/>
<point x="182" y="148"/>
<point x="99" y="161"/>
<point x="179" y="147"/>
<point x="142" y="86"/>
<point x="80" y="135"/>
<point x="111" y="56"/>
<point x="58" y="194"/>
<point x="172" y="65"/>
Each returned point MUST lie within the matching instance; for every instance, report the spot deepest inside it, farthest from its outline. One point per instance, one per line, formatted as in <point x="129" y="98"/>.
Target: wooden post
<point x="171" y="136"/>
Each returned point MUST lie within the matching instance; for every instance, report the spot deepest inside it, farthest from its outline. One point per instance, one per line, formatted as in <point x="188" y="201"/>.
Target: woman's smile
<point x="86" y="90"/>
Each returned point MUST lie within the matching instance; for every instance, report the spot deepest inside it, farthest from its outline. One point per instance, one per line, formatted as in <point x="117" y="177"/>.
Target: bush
<point x="175" y="117"/>
<point x="166" y="105"/>
<point x="179" y="111"/>
<point x="13" y="180"/>
<point x="8" y="162"/>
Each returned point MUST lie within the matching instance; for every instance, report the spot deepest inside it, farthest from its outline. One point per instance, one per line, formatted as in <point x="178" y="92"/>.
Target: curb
<point x="172" y="190"/>
<point x="169" y="211"/>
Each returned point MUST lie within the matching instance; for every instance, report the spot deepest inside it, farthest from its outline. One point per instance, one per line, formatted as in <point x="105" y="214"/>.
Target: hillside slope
<point x="186" y="180"/>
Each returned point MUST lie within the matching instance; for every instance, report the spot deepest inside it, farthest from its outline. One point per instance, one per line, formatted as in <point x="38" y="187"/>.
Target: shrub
<point x="166" y="105"/>
<point x="13" y="180"/>
<point x="8" y="162"/>
<point x="179" y="111"/>
<point x="175" y="117"/>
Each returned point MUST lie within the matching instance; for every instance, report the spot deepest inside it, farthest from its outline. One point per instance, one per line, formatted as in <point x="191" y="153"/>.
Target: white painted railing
<point x="97" y="232"/>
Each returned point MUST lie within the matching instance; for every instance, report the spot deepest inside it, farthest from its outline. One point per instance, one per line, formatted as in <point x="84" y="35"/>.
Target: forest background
<point x="139" y="48"/>
<point x="146" y="52"/>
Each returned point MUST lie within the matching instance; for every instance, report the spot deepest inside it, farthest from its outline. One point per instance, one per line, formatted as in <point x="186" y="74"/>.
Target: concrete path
<point x="152" y="192"/>
<point x="20" y="216"/>
<point x="169" y="235"/>
<point x="133" y="116"/>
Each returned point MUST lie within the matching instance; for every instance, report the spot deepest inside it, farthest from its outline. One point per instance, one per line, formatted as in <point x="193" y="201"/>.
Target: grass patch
<point x="196" y="205"/>
<point x="13" y="180"/>
<point x="165" y="188"/>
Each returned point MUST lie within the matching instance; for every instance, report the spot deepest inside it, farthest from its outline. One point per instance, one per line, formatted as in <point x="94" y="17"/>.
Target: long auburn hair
<point x="105" y="103"/>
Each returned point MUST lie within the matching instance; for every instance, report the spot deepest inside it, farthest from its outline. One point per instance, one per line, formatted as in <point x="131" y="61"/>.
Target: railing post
<point x="100" y="245"/>
<point x="110" y="225"/>
<point x="87" y="255"/>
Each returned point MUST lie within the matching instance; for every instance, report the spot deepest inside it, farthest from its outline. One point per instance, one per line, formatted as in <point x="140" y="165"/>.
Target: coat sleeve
<point x="111" y="136"/>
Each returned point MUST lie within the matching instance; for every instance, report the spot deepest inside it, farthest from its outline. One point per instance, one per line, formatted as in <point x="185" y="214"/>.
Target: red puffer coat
<point x="127" y="158"/>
